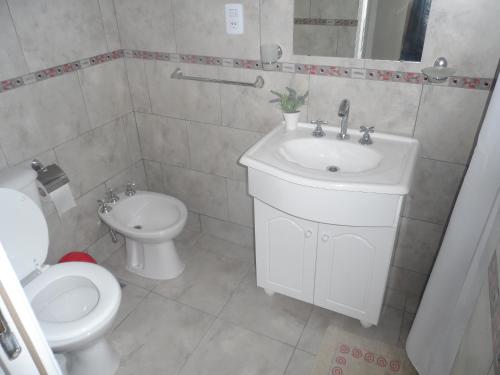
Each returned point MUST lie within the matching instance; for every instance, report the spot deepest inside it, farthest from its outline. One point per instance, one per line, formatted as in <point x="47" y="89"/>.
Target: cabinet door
<point x="285" y="252"/>
<point x="352" y="266"/>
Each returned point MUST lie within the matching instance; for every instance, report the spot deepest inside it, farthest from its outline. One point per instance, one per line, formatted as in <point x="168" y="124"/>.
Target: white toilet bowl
<point x="75" y="303"/>
<point x="149" y="221"/>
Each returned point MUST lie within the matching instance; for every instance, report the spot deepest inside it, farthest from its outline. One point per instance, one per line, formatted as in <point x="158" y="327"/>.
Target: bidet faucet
<point x="130" y="189"/>
<point x="344" y="119"/>
<point x="111" y="197"/>
<point x="103" y="206"/>
<point x="318" y="131"/>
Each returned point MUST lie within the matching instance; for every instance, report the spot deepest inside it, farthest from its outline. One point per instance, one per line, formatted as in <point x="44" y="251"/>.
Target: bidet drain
<point x="332" y="168"/>
<point x="138" y="226"/>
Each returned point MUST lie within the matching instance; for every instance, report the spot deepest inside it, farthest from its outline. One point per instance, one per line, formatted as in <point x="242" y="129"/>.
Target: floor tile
<point x="279" y="317"/>
<point x="230" y="350"/>
<point x="302" y="363"/>
<point x="116" y="264"/>
<point x="387" y="331"/>
<point x="208" y="281"/>
<point x="158" y="336"/>
<point x="131" y="297"/>
<point x="226" y="248"/>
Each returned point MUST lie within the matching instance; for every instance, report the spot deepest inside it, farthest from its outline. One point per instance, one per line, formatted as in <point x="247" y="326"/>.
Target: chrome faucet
<point x="130" y="189"/>
<point x="365" y="138"/>
<point x="111" y="197"/>
<point x="344" y="119"/>
<point x="318" y="131"/>
<point x="103" y="206"/>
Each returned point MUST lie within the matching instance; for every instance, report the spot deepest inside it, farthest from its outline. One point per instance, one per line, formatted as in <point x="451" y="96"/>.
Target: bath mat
<point x="342" y="353"/>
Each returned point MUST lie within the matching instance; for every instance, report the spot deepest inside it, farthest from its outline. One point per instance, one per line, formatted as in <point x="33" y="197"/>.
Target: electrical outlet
<point x="234" y="18"/>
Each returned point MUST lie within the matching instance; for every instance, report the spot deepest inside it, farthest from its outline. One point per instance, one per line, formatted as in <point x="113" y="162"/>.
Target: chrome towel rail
<point x="259" y="81"/>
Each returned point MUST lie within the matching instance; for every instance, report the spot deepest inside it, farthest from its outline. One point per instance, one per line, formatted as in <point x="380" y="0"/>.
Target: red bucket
<point x="77" y="256"/>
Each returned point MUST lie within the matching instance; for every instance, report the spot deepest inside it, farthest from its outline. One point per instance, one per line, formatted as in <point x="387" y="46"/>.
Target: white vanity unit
<point x="326" y="215"/>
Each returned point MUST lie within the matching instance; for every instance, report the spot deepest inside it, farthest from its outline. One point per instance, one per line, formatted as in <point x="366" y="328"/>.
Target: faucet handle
<point x="319" y="122"/>
<point x="130" y="189"/>
<point x="103" y="206"/>
<point x="111" y="197"/>
<point x="365" y="129"/>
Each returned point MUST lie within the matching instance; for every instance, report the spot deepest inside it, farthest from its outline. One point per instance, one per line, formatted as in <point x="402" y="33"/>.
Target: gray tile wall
<point x="192" y="133"/>
<point x="83" y="120"/>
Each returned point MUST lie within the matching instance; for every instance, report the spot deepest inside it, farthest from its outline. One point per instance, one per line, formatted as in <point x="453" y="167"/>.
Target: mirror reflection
<point x="368" y="29"/>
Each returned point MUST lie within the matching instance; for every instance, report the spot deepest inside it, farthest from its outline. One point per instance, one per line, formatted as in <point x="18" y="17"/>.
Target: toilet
<point x="75" y="303"/>
<point x="149" y="222"/>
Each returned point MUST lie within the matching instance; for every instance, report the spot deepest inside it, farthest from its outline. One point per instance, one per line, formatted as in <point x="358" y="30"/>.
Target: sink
<point x="296" y="156"/>
<point x="330" y="154"/>
<point x="329" y="180"/>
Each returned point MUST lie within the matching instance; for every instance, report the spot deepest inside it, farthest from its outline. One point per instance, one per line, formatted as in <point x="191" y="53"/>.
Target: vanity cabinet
<point x="340" y="268"/>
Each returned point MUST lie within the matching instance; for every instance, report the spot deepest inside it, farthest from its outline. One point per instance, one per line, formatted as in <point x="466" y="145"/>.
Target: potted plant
<point x="290" y="103"/>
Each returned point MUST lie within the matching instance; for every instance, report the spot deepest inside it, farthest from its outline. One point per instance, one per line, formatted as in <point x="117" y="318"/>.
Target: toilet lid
<point x="23" y="232"/>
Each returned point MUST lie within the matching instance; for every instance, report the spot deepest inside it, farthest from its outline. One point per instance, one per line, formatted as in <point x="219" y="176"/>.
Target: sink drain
<point x="332" y="168"/>
<point x="138" y="226"/>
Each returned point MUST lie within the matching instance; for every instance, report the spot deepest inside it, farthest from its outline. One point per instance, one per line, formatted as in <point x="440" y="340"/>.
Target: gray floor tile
<point x="302" y="363"/>
<point x="226" y="248"/>
<point x="387" y="331"/>
<point x="131" y="297"/>
<point x="279" y="317"/>
<point x="230" y="350"/>
<point x="158" y="336"/>
<point x="208" y="281"/>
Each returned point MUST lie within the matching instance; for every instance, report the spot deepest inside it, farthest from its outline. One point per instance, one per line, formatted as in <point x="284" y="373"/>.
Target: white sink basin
<point x="322" y="154"/>
<point x="296" y="156"/>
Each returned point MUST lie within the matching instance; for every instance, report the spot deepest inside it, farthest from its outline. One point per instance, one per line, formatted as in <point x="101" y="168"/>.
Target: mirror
<point x="364" y="29"/>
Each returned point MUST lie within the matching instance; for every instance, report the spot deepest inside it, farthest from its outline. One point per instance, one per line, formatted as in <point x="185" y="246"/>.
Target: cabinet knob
<point x="325" y="237"/>
<point x="308" y="234"/>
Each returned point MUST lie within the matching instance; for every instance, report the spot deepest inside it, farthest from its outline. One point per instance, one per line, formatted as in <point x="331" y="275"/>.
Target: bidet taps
<point x="344" y="119"/>
<point x="130" y="189"/>
<point x="111" y="197"/>
<point x="103" y="206"/>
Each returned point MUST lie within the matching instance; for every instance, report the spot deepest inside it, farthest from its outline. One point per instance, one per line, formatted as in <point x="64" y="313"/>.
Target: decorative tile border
<point x="55" y="71"/>
<point x="325" y="70"/>
<point x="325" y="22"/>
<point x="495" y="311"/>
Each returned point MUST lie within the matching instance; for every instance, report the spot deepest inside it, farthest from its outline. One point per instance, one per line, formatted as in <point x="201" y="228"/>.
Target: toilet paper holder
<point x="51" y="177"/>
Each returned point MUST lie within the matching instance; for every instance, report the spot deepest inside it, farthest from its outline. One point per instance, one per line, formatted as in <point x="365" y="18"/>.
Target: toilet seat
<point x="91" y="324"/>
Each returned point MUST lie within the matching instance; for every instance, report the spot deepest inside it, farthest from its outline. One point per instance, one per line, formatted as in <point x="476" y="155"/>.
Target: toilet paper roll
<point x="63" y="199"/>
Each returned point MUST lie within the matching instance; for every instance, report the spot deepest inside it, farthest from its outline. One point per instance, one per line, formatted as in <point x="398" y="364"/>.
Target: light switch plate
<point x="234" y="19"/>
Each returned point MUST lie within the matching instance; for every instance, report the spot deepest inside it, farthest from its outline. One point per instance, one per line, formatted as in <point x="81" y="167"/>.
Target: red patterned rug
<point x="343" y="353"/>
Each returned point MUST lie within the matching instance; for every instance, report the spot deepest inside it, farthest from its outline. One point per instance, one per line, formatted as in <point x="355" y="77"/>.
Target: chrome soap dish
<point x="440" y="72"/>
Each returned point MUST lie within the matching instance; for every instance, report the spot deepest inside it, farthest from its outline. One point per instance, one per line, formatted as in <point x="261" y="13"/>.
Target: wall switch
<point x="234" y="18"/>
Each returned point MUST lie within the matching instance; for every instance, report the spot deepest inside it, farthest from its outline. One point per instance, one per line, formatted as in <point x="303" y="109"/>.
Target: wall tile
<point x="433" y="190"/>
<point x="12" y="62"/>
<point x="163" y="139"/>
<point x="227" y="230"/>
<point x="146" y="24"/>
<point x="154" y="176"/>
<point x="49" y="29"/>
<point x="44" y="115"/>
<point x="389" y="106"/>
<point x="217" y="149"/>
<point x="106" y="92"/>
<point x="447" y="122"/>
<point x="240" y="204"/>
<point x="318" y="40"/>
<point x="334" y="9"/>
<point x="202" y="193"/>
<point x="200" y="29"/>
<point x="110" y="24"/>
<point x="184" y="99"/>
<point x="465" y="32"/>
<point x="406" y="281"/>
<point x="138" y="85"/>
<point x="95" y="157"/>
<point x="248" y="107"/>
<point x="79" y="228"/>
<point x="276" y="22"/>
<point x="3" y="160"/>
<point x="418" y="244"/>
<point x="132" y="135"/>
<point x="135" y="174"/>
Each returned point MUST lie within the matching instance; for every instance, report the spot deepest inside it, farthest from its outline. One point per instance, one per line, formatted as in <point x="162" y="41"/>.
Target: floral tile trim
<point x="325" y="21"/>
<point x="285" y="67"/>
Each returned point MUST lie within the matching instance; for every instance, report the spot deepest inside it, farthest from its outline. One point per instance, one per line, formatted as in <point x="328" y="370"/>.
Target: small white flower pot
<point x="291" y="120"/>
